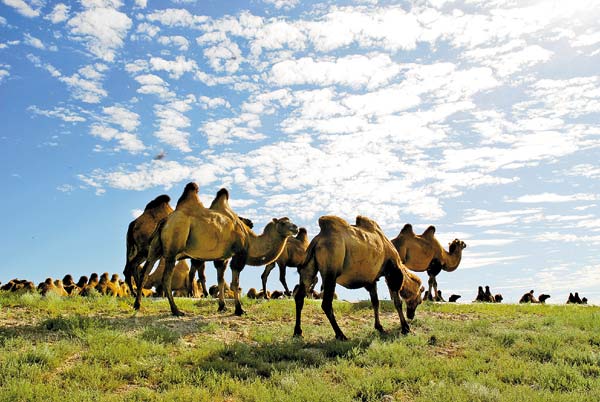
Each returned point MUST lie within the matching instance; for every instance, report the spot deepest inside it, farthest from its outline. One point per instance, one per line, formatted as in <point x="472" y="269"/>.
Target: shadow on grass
<point x="245" y="361"/>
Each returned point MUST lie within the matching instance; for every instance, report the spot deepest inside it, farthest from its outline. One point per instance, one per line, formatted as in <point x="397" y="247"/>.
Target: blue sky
<point x="480" y="117"/>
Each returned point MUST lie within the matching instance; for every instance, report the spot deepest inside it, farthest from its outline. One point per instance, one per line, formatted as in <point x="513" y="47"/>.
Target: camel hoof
<point x="341" y="337"/>
<point x="222" y="308"/>
<point x="380" y="329"/>
<point x="178" y="313"/>
<point x="239" y="312"/>
<point x="405" y="330"/>
<point x="136" y="306"/>
<point x="298" y="333"/>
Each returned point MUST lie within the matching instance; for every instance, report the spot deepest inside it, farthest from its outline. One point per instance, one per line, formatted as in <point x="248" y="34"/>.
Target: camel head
<point x="247" y="222"/>
<point x="68" y="279"/>
<point x="456" y="245"/>
<point x="413" y="302"/>
<point x="283" y="226"/>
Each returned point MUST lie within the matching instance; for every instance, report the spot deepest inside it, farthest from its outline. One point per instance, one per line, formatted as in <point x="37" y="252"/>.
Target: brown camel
<point x="480" y="295"/>
<point x="90" y="287"/>
<point x="498" y="298"/>
<point x="488" y="295"/>
<point x="292" y="255"/>
<point x="355" y="256"/>
<point x="220" y="204"/>
<point x="179" y="282"/>
<point x="528" y="298"/>
<point x="139" y="232"/>
<point x="421" y="253"/>
<point x="50" y="286"/>
<point x="202" y="234"/>
<point x="543" y="297"/>
<point x="453" y="298"/>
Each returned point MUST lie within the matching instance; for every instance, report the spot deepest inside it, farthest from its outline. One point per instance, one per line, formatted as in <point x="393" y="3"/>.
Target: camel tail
<point x="310" y="255"/>
<point x="130" y="243"/>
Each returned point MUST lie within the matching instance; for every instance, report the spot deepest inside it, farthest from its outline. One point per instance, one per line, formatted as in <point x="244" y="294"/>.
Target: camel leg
<point x="307" y="276"/>
<point x="221" y="266"/>
<point x="237" y="265"/>
<point x="372" y="289"/>
<point x="327" y="305"/>
<point x="394" y="279"/>
<point x="130" y="268"/>
<point x="265" y="276"/>
<point x="140" y="276"/>
<point x="282" y="268"/>
<point x="198" y="266"/>
<point x="166" y="284"/>
<point x="432" y="284"/>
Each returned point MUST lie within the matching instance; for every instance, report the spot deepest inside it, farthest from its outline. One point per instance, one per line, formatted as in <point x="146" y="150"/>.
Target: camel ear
<point x="275" y="220"/>
<point x="422" y="289"/>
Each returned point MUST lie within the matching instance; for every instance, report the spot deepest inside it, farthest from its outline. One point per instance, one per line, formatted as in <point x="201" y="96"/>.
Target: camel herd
<point x="351" y="255"/>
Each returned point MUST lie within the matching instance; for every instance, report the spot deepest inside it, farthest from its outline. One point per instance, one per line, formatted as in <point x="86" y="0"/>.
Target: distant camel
<point x="543" y="297"/>
<point x="498" y="298"/>
<point x="139" y="232"/>
<point x="453" y="298"/>
<point x="440" y="298"/>
<point x="355" y="256"/>
<point x="293" y="255"/>
<point x="90" y="287"/>
<point x="488" y="295"/>
<point x="193" y="231"/>
<point x="179" y="282"/>
<point x="421" y="253"/>
<point x="528" y="298"/>
<point x="480" y="295"/>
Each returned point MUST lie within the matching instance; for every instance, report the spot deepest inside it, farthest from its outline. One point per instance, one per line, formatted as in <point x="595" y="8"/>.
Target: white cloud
<point x="60" y="13"/>
<point x="102" y="28"/>
<point x="224" y="57"/>
<point x="585" y="170"/>
<point x="4" y="72"/>
<point x="176" y="68"/>
<point x="58" y="112"/>
<point x="172" y="122"/>
<point x="123" y="117"/>
<point x="33" y="41"/>
<point x="552" y="197"/>
<point x="85" y="85"/>
<point x="282" y="3"/>
<point x="141" y="3"/>
<point x="484" y="218"/>
<point x="153" y="84"/>
<point x="355" y="71"/>
<point x="147" y="30"/>
<point x="212" y="103"/>
<point x="176" y="18"/>
<point x="29" y="9"/>
<point x="178" y="41"/>
<point x="127" y="141"/>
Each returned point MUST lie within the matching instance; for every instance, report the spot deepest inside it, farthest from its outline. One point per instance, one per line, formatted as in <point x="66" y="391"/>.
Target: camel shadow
<point x="247" y="362"/>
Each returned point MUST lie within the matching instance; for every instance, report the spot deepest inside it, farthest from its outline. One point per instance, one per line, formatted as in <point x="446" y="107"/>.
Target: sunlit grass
<point x="100" y="349"/>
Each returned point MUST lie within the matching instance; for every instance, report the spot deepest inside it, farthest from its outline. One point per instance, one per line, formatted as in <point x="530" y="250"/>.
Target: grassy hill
<point x="97" y="349"/>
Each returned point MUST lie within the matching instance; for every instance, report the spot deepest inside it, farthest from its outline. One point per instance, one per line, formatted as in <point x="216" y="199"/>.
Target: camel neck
<point x="265" y="248"/>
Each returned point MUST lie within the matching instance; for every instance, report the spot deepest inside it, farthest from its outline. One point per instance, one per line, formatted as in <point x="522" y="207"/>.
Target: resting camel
<point x="50" y="286"/>
<point x="421" y="253"/>
<point x="488" y="295"/>
<point x="139" y="232"/>
<point x="355" y="256"/>
<point x="528" y="298"/>
<point x="480" y="295"/>
<point x="453" y="298"/>
<point x="292" y="255"/>
<point x="179" y="282"/>
<point x="203" y="234"/>
<point x="543" y="297"/>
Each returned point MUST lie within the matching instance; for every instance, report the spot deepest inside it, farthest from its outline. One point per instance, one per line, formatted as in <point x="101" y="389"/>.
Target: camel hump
<point x="365" y="223"/>
<point x="429" y="232"/>
<point x="221" y="200"/>
<point x="222" y="193"/>
<point x="330" y="222"/>
<point x="157" y="202"/>
<point x="407" y="230"/>
<point x="190" y="193"/>
<point x="302" y="234"/>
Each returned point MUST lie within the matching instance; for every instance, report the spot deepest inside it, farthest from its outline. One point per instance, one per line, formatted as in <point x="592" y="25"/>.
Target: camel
<point x="355" y="256"/>
<point x="453" y="298"/>
<point x="220" y="204"/>
<point x="543" y="297"/>
<point x="528" y="298"/>
<point x="488" y="295"/>
<point x="480" y="294"/>
<point x="179" y="282"/>
<point x="251" y="293"/>
<point x="498" y="298"/>
<point x="203" y="234"/>
<point x="139" y="232"/>
<point x="49" y="286"/>
<point x="292" y="255"/>
<point x="421" y="253"/>
<point x="90" y="287"/>
<point x="277" y="294"/>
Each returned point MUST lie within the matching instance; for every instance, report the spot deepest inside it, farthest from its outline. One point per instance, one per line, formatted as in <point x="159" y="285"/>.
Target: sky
<point x="479" y="117"/>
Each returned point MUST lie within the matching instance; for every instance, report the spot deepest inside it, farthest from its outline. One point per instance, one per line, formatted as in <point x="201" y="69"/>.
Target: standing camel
<point x="139" y="233"/>
<point x="355" y="256"/>
<point x="424" y="252"/>
<point x="193" y="231"/>
<point x="292" y="255"/>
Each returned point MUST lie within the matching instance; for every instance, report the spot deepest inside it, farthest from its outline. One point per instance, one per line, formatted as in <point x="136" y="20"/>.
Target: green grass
<point x="98" y="349"/>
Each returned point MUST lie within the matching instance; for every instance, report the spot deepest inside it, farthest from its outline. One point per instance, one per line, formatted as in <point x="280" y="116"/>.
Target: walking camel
<point x="355" y="256"/>
<point x="424" y="252"/>
<point x="196" y="232"/>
